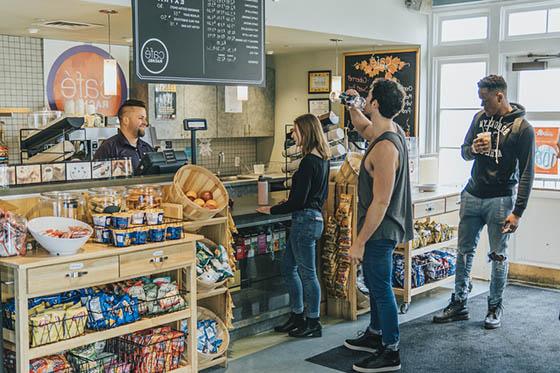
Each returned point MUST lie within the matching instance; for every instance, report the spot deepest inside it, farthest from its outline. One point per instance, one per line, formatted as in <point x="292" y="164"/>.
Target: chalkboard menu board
<point x="361" y="68"/>
<point x="199" y="41"/>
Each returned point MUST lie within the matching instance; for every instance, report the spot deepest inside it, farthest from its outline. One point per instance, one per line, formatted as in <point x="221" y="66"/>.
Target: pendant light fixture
<point x="336" y="80"/>
<point x="109" y="64"/>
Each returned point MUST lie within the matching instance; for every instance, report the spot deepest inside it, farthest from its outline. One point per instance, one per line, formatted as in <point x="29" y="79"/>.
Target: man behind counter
<point x="127" y="143"/>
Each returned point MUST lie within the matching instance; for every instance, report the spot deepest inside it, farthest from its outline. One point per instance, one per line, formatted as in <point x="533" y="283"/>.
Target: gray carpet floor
<point x="528" y="341"/>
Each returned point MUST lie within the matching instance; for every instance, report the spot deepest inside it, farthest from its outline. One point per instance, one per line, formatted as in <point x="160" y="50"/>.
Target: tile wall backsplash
<point x="244" y="148"/>
<point x="21" y="84"/>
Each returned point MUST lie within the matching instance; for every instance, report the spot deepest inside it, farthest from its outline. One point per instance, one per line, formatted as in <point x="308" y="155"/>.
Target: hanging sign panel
<point x="199" y="41"/>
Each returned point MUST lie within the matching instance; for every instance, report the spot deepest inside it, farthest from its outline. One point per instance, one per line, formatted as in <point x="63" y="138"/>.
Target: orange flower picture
<point x="375" y="66"/>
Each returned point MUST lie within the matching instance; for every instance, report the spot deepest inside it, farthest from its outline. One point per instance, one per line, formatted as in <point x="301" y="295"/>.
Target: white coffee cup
<point x="486" y="136"/>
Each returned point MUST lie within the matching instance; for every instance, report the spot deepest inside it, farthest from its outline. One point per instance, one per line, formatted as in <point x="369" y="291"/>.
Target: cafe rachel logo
<point x="154" y="56"/>
<point x="76" y="76"/>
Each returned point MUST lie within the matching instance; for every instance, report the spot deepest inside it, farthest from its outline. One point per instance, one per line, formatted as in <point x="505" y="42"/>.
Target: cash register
<point x="164" y="162"/>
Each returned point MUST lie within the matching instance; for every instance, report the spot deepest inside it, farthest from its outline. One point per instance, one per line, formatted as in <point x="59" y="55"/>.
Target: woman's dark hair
<point x="390" y="95"/>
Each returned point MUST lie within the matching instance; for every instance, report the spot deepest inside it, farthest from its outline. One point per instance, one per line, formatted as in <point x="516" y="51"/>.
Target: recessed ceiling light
<point x="275" y="1"/>
<point x="269" y="52"/>
<point x="33" y="30"/>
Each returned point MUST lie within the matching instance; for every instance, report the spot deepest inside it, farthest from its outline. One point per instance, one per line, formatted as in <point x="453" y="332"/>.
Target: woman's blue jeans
<point x="299" y="265"/>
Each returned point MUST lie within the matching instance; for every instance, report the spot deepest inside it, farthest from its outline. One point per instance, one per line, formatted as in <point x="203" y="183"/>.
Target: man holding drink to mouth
<point x="502" y="144"/>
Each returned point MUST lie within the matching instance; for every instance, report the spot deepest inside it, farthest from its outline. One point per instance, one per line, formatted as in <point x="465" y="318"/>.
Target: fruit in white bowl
<point x="50" y="233"/>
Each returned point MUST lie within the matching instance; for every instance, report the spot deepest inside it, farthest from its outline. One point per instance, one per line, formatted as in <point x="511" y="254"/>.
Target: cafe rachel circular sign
<point x="154" y="56"/>
<point x="77" y="74"/>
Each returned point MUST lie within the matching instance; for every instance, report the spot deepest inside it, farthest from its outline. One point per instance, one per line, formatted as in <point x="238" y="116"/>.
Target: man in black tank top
<point x="384" y="219"/>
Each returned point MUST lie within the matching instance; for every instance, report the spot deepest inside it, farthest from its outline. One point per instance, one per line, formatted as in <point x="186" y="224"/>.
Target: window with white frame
<point x="533" y="22"/>
<point x="537" y="92"/>
<point x="463" y="29"/>
<point x="458" y="102"/>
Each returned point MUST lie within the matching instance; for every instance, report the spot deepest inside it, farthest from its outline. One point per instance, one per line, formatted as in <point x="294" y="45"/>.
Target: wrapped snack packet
<point x="47" y="327"/>
<point x="39" y="329"/>
<point x="169" y="297"/>
<point x="136" y="290"/>
<point x="75" y="321"/>
<point x="151" y="298"/>
<point x="13" y="234"/>
<point x="54" y="363"/>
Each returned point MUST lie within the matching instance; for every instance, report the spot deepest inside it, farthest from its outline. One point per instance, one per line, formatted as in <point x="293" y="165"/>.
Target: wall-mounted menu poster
<point x="199" y="42"/>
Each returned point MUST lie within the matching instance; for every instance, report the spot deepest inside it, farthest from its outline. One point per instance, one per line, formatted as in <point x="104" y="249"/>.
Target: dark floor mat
<point x="528" y="341"/>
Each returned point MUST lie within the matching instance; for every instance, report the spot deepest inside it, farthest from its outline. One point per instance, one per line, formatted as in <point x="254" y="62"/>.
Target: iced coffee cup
<point x="486" y="136"/>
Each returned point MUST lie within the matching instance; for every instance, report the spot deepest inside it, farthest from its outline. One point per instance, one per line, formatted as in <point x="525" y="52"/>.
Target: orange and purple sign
<point x="77" y="74"/>
<point x="545" y="152"/>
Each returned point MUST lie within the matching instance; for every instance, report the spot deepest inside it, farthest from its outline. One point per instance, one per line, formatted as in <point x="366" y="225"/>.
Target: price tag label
<point x="76" y="266"/>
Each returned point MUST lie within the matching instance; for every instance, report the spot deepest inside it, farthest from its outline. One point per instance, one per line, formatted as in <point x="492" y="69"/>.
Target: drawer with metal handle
<point x="453" y="203"/>
<point x="429" y="208"/>
<point x="72" y="275"/>
<point x="148" y="261"/>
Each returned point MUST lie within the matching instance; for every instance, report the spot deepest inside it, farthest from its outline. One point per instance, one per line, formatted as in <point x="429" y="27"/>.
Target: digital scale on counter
<point x="194" y="125"/>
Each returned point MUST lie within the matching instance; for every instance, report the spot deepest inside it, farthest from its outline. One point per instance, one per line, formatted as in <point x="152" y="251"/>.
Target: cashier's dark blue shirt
<point x="119" y="147"/>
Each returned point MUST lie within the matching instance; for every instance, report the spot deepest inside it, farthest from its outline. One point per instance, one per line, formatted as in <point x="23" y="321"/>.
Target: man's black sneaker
<point x="384" y="361"/>
<point x="366" y="341"/>
<point x="295" y="321"/>
<point x="494" y="317"/>
<point x="455" y="311"/>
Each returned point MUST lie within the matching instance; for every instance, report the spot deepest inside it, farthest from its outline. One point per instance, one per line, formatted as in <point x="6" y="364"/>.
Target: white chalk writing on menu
<point x="231" y="27"/>
<point x="178" y="15"/>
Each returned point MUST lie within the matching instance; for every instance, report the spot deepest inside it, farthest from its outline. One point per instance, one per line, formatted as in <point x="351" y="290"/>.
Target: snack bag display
<point x="213" y="264"/>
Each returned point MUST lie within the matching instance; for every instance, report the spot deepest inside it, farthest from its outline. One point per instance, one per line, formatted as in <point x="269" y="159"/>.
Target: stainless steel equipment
<point x="91" y="138"/>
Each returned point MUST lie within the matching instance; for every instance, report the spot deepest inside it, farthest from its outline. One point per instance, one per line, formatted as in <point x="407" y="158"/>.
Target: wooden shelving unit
<point x="216" y="300"/>
<point x="99" y="264"/>
<point x="426" y="205"/>
<point x="337" y="307"/>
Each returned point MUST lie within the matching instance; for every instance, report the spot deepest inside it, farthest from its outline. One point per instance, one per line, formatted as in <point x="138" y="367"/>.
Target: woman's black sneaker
<point x="366" y="341"/>
<point x="312" y="328"/>
<point x="295" y="321"/>
<point x="384" y="361"/>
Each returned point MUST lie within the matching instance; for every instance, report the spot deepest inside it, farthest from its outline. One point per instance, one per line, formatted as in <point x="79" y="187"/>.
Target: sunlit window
<point x="532" y="22"/>
<point x="538" y="90"/>
<point x="526" y="23"/>
<point x="464" y="29"/>
<point x="554" y="20"/>
<point x="458" y="103"/>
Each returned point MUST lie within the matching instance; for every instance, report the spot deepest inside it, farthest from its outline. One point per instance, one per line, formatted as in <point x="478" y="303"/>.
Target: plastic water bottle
<point x="349" y="101"/>
<point x="262" y="191"/>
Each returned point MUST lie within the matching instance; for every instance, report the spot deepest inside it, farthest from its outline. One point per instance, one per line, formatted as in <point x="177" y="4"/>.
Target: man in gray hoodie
<point x="502" y="144"/>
